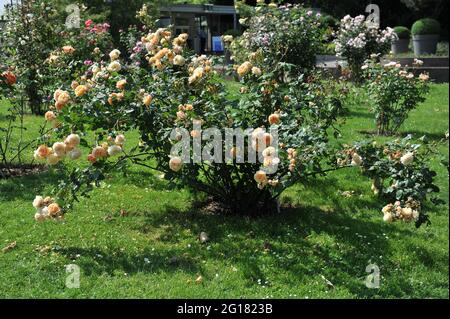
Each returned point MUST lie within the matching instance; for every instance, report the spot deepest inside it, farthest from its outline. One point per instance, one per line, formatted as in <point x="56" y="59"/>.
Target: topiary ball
<point x="402" y="32"/>
<point x="426" y="26"/>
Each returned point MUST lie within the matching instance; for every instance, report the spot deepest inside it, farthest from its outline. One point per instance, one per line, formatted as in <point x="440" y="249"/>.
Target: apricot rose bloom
<point x="256" y="71"/>
<point x="42" y="152"/>
<point x="50" y="116"/>
<point x="99" y="152"/>
<point x="356" y="160"/>
<point x="121" y="84"/>
<point x="10" y="78"/>
<point x="53" y="209"/>
<point x="274" y="119"/>
<point x="260" y="177"/>
<point x="72" y="140"/>
<point x="59" y="149"/>
<point x="53" y="159"/>
<point x="68" y="49"/>
<point x="179" y="60"/>
<point x="244" y="69"/>
<point x="147" y="100"/>
<point x="80" y="90"/>
<point x="175" y="163"/>
<point x="114" y="150"/>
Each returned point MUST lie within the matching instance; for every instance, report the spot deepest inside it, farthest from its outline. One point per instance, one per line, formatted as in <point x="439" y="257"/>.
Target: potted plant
<point x="425" y="36"/>
<point x="401" y="44"/>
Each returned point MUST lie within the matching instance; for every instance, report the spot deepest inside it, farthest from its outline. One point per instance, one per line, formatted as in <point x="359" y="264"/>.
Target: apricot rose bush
<point x="177" y="102"/>
<point x="167" y="95"/>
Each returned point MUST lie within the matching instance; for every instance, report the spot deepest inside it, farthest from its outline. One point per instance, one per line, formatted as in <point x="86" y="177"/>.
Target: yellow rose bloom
<point x="80" y="90"/>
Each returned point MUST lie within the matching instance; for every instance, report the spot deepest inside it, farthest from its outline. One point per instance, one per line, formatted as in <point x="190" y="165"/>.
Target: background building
<point x="204" y="23"/>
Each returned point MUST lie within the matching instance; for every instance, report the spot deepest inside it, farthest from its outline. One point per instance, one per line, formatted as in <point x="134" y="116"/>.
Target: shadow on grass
<point x="96" y="261"/>
<point x="145" y="178"/>
<point x="418" y="134"/>
<point x="26" y="187"/>
<point x="287" y="243"/>
<point x="360" y="114"/>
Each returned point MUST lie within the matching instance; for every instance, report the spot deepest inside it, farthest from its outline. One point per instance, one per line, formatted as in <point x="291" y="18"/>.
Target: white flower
<point x="38" y="202"/>
<point x="59" y="149"/>
<point x="39" y="217"/>
<point x="72" y="140"/>
<point x="227" y="38"/>
<point x="114" y="66"/>
<point x="120" y="139"/>
<point x="179" y="60"/>
<point x="114" y="54"/>
<point x="95" y="69"/>
<point x="418" y="62"/>
<point x="52" y="159"/>
<point x="74" y="154"/>
<point x="269" y="151"/>
<point x="407" y="159"/>
<point x="390" y="65"/>
<point x="388" y="217"/>
<point x="114" y="150"/>
<point x="256" y="71"/>
<point x="356" y="160"/>
<point x="424" y="77"/>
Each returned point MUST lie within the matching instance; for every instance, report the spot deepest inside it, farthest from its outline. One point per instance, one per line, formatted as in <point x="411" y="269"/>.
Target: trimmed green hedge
<point x="426" y="26"/>
<point x="402" y="32"/>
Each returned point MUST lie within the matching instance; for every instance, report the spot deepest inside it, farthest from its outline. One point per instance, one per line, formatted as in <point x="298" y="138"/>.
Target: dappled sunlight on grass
<point x="137" y="236"/>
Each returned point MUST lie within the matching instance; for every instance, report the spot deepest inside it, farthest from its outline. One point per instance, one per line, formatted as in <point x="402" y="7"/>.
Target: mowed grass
<point x="153" y="251"/>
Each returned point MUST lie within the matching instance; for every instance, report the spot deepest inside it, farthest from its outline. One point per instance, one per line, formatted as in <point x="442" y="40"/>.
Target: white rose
<point x="120" y="139"/>
<point x="179" y="60"/>
<point x="52" y="159"/>
<point x="114" y="54"/>
<point x="256" y="71"/>
<point x="39" y="217"/>
<point x="38" y="202"/>
<point x="114" y="66"/>
<point x="388" y="217"/>
<point x="407" y="159"/>
<point x="407" y="213"/>
<point x="73" y="140"/>
<point x="74" y="154"/>
<point x="59" y="149"/>
<point x="114" y="150"/>
<point x="356" y="160"/>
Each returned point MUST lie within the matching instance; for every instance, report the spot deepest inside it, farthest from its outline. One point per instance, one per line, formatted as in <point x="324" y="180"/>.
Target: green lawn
<point x="153" y="252"/>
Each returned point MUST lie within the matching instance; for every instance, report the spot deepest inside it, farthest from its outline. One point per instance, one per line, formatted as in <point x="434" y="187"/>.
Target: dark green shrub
<point x="234" y="33"/>
<point x="402" y="32"/>
<point x="426" y="26"/>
